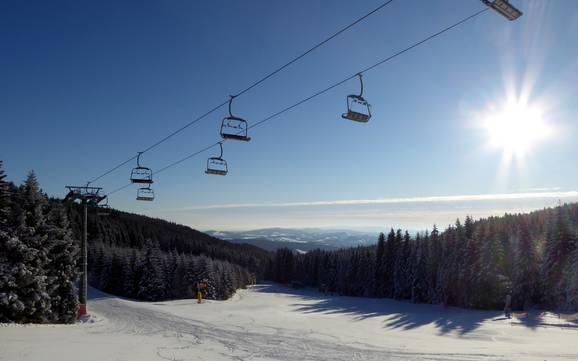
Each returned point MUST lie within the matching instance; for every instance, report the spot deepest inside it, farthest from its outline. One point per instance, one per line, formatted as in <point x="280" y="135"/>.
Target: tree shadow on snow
<point x="397" y="314"/>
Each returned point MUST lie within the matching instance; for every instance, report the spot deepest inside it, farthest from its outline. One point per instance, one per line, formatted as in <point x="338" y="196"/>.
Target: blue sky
<point x="85" y="85"/>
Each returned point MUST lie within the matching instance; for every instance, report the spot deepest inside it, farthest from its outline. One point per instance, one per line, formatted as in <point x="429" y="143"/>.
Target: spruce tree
<point x="525" y="270"/>
<point x="4" y="199"/>
<point x="152" y="284"/>
<point x="560" y="245"/>
<point x="491" y="281"/>
<point x="379" y="283"/>
<point x="61" y="270"/>
<point x="31" y="221"/>
<point x="419" y="290"/>
<point x="389" y="263"/>
<point x="571" y="273"/>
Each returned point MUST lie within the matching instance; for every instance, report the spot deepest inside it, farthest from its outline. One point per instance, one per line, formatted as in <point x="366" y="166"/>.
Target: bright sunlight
<point x="516" y="128"/>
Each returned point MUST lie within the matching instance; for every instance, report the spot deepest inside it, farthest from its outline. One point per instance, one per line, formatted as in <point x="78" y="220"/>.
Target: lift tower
<point x="88" y="196"/>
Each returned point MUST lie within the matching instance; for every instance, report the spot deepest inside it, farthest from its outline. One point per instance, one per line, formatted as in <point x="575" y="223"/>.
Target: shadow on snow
<point x="397" y="314"/>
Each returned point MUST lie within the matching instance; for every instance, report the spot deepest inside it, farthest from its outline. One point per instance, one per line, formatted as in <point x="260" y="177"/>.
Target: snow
<point x="271" y="322"/>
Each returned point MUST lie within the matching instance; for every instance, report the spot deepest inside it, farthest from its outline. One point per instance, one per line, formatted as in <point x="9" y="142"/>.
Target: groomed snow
<point x="270" y="322"/>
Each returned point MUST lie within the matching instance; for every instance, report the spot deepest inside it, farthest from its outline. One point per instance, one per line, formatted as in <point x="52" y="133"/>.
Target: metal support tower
<point x="88" y="196"/>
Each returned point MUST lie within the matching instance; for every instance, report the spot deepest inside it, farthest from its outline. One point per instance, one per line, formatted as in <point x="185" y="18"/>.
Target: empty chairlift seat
<point x="358" y="109"/>
<point x="145" y="194"/>
<point x="217" y="165"/>
<point x="233" y="127"/>
<point x="504" y="8"/>
<point x="140" y="174"/>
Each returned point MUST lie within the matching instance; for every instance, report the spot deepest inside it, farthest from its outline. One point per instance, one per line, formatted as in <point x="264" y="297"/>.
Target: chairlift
<point x="233" y="127"/>
<point x="504" y="8"/>
<point x="217" y="165"/>
<point x="140" y="174"/>
<point x="145" y="194"/>
<point x="358" y="109"/>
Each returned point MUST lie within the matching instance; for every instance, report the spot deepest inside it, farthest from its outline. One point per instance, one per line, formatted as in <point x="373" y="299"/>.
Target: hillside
<point x="146" y="258"/>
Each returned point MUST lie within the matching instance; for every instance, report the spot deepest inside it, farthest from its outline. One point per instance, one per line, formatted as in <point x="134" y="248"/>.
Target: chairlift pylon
<point x="217" y="165"/>
<point x="233" y="127"/>
<point x="140" y="174"/>
<point x="504" y="8"/>
<point x="358" y="109"/>
<point x="145" y="194"/>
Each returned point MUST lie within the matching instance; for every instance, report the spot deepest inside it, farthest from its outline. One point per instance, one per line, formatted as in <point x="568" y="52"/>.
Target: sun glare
<point x="516" y="128"/>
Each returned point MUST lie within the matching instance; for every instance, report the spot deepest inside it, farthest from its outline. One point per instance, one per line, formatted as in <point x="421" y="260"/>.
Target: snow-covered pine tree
<point x="61" y="270"/>
<point x="525" y="270"/>
<point x="560" y="245"/>
<point x="435" y="258"/>
<point x="152" y="284"/>
<point x="128" y="272"/>
<point x="419" y="287"/>
<point x="491" y="281"/>
<point x="391" y="247"/>
<point x="28" y="254"/>
<point x="95" y="264"/>
<point x="380" y="267"/>
<point x="4" y="198"/>
<point x="572" y="283"/>
<point x="403" y="269"/>
<point x="368" y="272"/>
<point x="470" y="263"/>
<point x="105" y="269"/>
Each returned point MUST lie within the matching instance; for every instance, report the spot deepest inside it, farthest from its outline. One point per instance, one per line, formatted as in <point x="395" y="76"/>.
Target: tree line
<point x="152" y="259"/>
<point x="533" y="257"/>
<point x="150" y="274"/>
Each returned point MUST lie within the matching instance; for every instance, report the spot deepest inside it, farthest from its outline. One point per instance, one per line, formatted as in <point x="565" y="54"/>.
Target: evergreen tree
<point x="31" y="284"/>
<point x="572" y="284"/>
<point x="491" y="281"/>
<point x="419" y="291"/>
<point x="380" y="267"/>
<point x="389" y="263"/>
<point x="152" y="283"/>
<point x="435" y="259"/>
<point x="61" y="270"/>
<point x="560" y="245"/>
<point x="525" y="271"/>
<point x="4" y="199"/>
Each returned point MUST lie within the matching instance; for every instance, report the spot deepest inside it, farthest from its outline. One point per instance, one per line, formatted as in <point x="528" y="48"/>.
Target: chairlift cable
<point x="284" y="110"/>
<point x="315" y="47"/>
<point x="277" y="70"/>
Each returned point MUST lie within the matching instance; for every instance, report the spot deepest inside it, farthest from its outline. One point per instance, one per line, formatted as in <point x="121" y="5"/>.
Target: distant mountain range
<point x="304" y="239"/>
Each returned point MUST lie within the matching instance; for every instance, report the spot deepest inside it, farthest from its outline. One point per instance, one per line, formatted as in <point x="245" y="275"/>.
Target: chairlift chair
<point x="217" y="165"/>
<point x="233" y="127"/>
<point x="358" y="109"/>
<point x="140" y="174"/>
<point x="504" y="8"/>
<point x="145" y="194"/>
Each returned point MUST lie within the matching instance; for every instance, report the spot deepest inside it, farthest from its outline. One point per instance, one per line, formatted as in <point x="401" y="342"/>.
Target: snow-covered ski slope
<point x="270" y="322"/>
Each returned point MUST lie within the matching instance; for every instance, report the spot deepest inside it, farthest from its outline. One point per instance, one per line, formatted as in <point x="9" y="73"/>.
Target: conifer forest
<point x="474" y="264"/>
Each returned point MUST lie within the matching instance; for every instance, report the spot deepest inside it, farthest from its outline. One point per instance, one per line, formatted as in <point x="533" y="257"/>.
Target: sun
<point x="516" y="128"/>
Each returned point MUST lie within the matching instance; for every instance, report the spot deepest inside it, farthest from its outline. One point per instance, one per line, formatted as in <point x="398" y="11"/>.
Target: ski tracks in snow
<point x="188" y="339"/>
